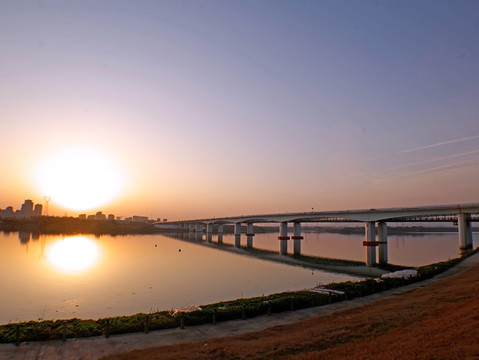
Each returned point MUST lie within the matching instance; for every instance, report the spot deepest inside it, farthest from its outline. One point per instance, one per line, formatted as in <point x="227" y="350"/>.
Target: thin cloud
<point x="446" y="167"/>
<point x="388" y="173"/>
<point x="433" y="160"/>
<point x="438" y="144"/>
<point x="454" y="165"/>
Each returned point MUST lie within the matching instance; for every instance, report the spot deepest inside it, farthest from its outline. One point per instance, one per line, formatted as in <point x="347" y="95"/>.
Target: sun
<point x="80" y="179"/>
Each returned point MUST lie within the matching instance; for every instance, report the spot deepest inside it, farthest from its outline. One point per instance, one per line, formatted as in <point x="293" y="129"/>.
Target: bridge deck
<point x="424" y="213"/>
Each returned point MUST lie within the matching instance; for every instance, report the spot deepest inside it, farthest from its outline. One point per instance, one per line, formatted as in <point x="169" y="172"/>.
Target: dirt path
<point x="439" y="320"/>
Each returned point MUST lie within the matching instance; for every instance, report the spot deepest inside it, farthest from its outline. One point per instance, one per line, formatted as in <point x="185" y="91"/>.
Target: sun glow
<point x="80" y="179"/>
<point x="73" y="254"/>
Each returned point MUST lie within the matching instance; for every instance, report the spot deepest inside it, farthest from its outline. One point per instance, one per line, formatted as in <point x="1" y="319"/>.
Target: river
<point x="59" y="277"/>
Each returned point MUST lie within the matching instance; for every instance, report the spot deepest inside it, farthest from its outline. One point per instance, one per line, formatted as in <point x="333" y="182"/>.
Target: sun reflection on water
<point x="73" y="254"/>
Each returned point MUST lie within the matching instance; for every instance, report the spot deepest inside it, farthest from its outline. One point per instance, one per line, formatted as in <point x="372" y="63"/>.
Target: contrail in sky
<point x="439" y="144"/>
<point x="433" y="160"/>
<point x="379" y="176"/>
<point x="445" y="167"/>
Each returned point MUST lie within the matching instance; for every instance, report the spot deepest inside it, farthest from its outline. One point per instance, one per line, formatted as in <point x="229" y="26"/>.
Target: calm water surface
<point x="55" y="277"/>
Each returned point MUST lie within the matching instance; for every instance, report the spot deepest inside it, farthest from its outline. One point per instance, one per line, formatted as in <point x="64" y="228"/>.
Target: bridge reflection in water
<point x="350" y="267"/>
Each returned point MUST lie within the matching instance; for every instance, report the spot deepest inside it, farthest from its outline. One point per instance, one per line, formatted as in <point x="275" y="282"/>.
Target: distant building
<point x="100" y="216"/>
<point x="111" y="217"/>
<point x="165" y="220"/>
<point x="140" y="219"/>
<point x="37" y="210"/>
<point x="118" y="218"/>
<point x="7" y="213"/>
<point x="82" y="216"/>
<point x="27" y="208"/>
<point x="167" y="226"/>
<point x="91" y="217"/>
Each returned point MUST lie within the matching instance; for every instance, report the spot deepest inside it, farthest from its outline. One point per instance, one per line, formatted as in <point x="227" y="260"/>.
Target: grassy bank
<point x="221" y="311"/>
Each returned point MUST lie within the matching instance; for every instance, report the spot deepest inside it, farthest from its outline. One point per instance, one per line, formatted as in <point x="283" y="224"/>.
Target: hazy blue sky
<point x="216" y="108"/>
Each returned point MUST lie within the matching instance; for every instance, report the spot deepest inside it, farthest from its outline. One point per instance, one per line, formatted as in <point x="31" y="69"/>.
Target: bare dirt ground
<point x="437" y="321"/>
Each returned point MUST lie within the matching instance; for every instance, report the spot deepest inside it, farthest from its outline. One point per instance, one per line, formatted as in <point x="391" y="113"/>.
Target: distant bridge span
<point x="375" y="221"/>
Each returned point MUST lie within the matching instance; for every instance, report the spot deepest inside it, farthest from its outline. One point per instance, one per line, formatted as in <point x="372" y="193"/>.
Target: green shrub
<point x="8" y="333"/>
<point x="162" y="320"/>
<point x="84" y="328"/>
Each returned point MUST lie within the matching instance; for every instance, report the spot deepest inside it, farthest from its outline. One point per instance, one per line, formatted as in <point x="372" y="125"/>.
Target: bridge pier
<point x="383" y="242"/>
<point x="249" y="235"/>
<point x="297" y="238"/>
<point x="209" y="232"/>
<point x="283" y="238"/>
<point x="198" y="231"/>
<point x="465" y="232"/>
<point x="220" y="234"/>
<point x="191" y="227"/>
<point x="238" y="235"/>
<point x="370" y="243"/>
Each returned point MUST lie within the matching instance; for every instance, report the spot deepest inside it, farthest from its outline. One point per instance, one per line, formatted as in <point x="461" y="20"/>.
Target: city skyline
<point x="194" y="110"/>
<point x="29" y="210"/>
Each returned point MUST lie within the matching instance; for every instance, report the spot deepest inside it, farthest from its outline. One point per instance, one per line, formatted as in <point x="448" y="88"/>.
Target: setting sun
<point x="79" y="179"/>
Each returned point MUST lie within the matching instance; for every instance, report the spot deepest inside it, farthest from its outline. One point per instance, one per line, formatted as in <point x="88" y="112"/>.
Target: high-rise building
<point x="7" y="213"/>
<point x="141" y="219"/>
<point x="100" y="216"/>
<point x="27" y="208"/>
<point x="37" y="210"/>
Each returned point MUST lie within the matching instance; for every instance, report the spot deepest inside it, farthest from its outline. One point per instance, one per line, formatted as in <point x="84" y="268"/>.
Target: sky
<point x="224" y="108"/>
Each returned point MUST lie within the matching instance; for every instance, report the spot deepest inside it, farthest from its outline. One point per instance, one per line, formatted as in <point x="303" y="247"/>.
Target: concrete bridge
<point x="375" y="225"/>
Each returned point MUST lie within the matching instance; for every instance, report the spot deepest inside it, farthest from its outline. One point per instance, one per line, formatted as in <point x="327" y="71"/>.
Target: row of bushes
<point x="228" y="310"/>
<point x="222" y="311"/>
